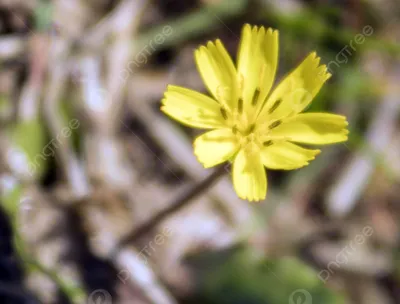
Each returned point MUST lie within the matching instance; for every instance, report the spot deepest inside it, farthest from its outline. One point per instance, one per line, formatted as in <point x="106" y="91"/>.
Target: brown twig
<point x="184" y="200"/>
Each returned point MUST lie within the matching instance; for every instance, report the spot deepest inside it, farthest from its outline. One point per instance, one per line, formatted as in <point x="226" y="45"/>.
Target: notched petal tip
<point x="167" y="94"/>
<point x="202" y="50"/>
<point x="300" y="166"/>
<point x="315" y="59"/>
<point x="164" y="101"/>
<point x="210" y="44"/>
<point x="345" y="132"/>
<point x="246" y="31"/>
<point x="254" y="29"/>
<point x="171" y="88"/>
<point x="274" y="33"/>
<point x="246" y="27"/>
<point x="252" y="199"/>
<point x="197" y="52"/>
<point x="342" y="119"/>
<point x="327" y="76"/>
<point x="313" y="55"/>
<point x="316" y="152"/>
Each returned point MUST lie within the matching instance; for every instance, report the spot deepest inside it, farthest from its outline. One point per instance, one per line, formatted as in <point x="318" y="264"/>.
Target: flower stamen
<point x="252" y="127"/>
<point x="255" y="97"/>
<point x="224" y="113"/>
<point x="240" y="105"/>
<point x="275" y="124"/>
<point x="275" y="106"/>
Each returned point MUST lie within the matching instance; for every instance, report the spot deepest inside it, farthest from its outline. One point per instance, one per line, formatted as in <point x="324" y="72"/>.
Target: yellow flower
<point x="253" y="127"/>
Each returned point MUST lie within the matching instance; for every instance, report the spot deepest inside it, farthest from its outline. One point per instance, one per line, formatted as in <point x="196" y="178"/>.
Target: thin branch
<point x="184" y="200"/>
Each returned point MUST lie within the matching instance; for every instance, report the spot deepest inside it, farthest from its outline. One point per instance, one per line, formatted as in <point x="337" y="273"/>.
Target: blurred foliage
<point x="241" y="276"/>
<point x="29" y="137"/>
<point x="43" y="15"/>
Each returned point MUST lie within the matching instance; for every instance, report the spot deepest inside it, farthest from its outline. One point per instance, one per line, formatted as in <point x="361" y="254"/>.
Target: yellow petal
<point x="297" y="89"/>
<point x="249" y="178"/>
<point x="215" y="147"/>
<point x="286" y="156"/>
<point x="257" y="63"/>
<point x="192" y="108"/>
<point x="217" y="71"/>
<point x="313" y="128"/>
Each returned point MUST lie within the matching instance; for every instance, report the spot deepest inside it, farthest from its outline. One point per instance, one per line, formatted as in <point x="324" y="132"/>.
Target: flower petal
<point x="257" y="63"/>
<point x="297" y="90"/>
<point x="217" y="71"/>
<point x="313" y="128"/>
<point x="192" y="108"/>
<point x="215" y="147"/>
<point x="249" y="178"/>
<point x="286" y="156"/>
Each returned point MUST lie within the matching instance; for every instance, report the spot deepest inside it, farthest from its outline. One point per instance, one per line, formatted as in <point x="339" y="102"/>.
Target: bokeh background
<point x="103" y="201"/>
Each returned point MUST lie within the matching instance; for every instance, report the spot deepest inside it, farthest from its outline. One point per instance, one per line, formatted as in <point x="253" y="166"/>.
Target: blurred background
<point x="103" y="201"/>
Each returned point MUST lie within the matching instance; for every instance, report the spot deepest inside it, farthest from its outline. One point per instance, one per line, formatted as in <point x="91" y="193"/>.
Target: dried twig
<point x="184" y="200"/>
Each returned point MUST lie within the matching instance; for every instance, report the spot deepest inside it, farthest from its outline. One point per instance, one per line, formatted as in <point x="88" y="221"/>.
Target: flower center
<point x="242" y="119"/>
<point x="249" y="134"/>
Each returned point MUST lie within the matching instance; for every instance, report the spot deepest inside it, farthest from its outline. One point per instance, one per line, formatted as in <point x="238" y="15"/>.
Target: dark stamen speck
<point x="223" y="113"/>
<point x="255" y="97"/>
<point x="240" y="105"/>
<point x="275" y="124"/>
<point x="252" y="127"/>
<point x="275" y="106"/>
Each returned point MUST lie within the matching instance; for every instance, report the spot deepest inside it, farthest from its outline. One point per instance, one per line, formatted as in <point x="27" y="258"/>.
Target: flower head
<point x="251" y="126"/>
